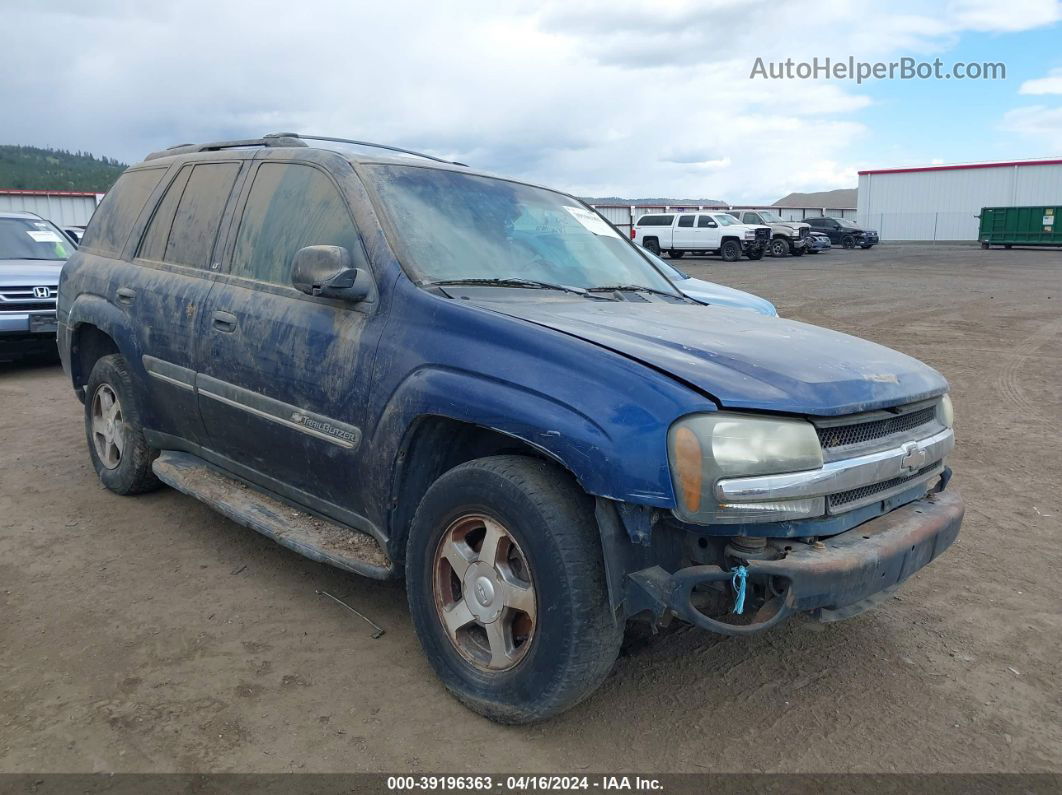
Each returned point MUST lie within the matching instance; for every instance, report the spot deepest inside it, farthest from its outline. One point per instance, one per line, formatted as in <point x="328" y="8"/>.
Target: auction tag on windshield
<point x="593" y="222"/>
<point x="45" y="237"/>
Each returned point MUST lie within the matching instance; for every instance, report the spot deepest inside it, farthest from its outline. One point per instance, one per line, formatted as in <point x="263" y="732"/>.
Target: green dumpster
<point x="1020" y="226"/>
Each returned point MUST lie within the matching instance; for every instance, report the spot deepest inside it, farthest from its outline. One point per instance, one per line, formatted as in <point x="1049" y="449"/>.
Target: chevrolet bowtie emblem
<point x="913" y="459"/>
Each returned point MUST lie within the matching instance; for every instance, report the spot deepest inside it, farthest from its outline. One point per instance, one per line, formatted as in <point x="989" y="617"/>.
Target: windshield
<point x="771" y="218"/>
<point x="726" y="220"/>
<point x="454" y="226"/>
<point x="27" y="238"/>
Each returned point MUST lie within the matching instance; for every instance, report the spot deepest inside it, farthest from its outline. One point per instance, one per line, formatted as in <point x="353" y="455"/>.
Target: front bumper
<point x="835" y="578"/>
<point x="26" y="334"/>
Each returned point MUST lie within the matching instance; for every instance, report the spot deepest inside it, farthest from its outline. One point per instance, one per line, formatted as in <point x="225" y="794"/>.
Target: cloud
<point x="1052" y="84"/>
<point x="1041" y="123"/>
<point x="599" y="98"/>
<point x="1004" y="17"/>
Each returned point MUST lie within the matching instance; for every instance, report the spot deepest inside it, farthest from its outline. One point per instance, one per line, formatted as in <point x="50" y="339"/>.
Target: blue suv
<point x="402" y="367"/>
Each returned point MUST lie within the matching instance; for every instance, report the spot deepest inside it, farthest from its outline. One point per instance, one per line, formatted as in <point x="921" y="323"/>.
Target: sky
<point x="620" y="97"/>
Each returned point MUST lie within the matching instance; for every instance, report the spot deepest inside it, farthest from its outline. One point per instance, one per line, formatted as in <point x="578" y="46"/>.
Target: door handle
<point x="224" y="321"/>
<point x="126" y="295"/>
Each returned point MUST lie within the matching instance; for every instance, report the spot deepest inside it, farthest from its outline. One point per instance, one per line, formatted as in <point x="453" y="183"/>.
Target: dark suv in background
<point x="405" y="368"/>
<point x="844" y="231"/>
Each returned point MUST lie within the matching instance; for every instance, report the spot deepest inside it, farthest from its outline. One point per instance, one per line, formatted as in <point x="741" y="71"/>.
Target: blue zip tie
<point x="741" y="574"/>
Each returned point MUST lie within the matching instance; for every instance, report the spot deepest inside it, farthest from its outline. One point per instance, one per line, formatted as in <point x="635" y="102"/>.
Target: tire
<point x="755" y="252"/>
<point x="984" y="244"/>
<point x="548" y="523"/>
<point x="847" y="242"/>
<point x="799" y="252"/>
<point x="675" y="253"/>
<point x="115" y="436"/>
<point x="1007" y="246"/>
<point x="780" y="247"/>
<point x="652" y="246"/>
<point x="866" y="247"/>
<point x="730" y="251"/>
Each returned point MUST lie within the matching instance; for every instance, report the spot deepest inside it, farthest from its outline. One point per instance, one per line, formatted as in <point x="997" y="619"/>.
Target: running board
<point x="310" y="535"/>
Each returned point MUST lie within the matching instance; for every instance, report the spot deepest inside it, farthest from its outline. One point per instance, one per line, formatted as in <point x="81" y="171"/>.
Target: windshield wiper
<point x="510" y="282"/>
<point x="619" y="288"/>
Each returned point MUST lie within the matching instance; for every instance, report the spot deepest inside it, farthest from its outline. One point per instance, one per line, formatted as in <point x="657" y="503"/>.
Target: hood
<point x="719" y="295"/>
<point x="30" y="272"/>
<point x="742" y="359"/>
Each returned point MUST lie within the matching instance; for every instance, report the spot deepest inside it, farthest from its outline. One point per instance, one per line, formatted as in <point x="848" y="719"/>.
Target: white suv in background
<point x="700" y="232"/>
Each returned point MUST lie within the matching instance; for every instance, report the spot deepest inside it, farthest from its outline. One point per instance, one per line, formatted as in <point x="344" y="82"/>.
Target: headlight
<point x="945" y="412"/>
<point x="703" y="448"/>
<point x="750" y="234"/>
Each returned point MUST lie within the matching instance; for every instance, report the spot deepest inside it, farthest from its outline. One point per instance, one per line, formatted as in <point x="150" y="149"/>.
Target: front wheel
<point x="730" y="251"/>
<point x="755" y="252"/>
<point x="800" y="251"/>
<point x="507" y="590"/>
<point x="119" y="452"/>
<point x="847" y="242"/>
<point x="780" y="247"/>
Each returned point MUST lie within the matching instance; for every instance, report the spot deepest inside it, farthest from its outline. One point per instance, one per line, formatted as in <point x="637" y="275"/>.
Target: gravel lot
<point x="150" y="634"/>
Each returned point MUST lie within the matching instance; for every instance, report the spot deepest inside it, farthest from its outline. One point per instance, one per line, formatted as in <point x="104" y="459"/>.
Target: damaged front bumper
<point x="834" y="578"/>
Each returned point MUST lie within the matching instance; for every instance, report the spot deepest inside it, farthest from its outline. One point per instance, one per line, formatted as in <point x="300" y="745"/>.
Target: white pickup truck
<point x="700" y="232"/>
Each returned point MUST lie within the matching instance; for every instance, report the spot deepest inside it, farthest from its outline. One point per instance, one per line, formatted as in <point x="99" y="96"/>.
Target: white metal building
<point x="61" y="207"/>
<point x="943" y="202"/>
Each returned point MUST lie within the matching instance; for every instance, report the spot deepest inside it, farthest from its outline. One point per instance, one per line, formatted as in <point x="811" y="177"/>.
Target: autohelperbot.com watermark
<point x="860" y="71"/>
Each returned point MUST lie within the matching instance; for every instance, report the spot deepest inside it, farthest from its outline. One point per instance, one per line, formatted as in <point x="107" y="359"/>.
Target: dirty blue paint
<point x="593" y="385"/>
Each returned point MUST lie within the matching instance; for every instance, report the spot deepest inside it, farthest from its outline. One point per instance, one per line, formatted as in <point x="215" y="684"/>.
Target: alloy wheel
<point x="484" y="593"/>
<point x="108" y="426"/>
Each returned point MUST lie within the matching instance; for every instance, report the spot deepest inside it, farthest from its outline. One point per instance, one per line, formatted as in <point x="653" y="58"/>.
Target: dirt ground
<point x="150" y="634"/>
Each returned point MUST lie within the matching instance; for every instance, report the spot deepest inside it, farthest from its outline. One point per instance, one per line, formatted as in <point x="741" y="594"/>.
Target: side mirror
<point x="326" y="271"/>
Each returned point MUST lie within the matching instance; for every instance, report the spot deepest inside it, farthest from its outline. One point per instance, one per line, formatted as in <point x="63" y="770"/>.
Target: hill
<point x="842" y="197"/>
<point x="32" y="168"/>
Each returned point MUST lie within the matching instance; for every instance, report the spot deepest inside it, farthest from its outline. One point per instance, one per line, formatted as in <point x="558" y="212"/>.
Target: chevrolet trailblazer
<point x="403" y="367"/>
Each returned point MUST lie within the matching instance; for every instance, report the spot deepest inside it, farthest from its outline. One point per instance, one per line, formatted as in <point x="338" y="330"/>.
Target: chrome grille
<point x="860" y="432"/>
<point x="23" y="299"/>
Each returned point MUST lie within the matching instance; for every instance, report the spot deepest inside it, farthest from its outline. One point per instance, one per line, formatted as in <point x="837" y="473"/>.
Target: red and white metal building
<point x="942" y="202"/>
<point x="61" y="207"/>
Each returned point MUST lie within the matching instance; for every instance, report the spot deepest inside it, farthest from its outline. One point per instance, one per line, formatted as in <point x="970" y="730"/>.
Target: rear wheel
<point x="675" y="253"/>
<point x="653" y="246"/>
<point x="507" y="589"/>
<point x="730" y="251"/>
<point x="780" y="247"/>
<point x="119" y="452"/>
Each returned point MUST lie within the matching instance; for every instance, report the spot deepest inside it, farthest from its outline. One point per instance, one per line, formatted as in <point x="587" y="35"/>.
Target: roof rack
<point x="288" y="139"/>
<point x="274" y="139"/>
<point x="388" y="147"/>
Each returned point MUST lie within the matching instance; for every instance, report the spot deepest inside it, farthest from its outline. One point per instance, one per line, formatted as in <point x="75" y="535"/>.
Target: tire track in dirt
<point x="1009" y="382"/>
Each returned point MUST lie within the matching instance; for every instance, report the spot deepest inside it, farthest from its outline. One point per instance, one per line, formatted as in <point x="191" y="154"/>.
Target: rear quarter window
<point x="114" y="218"/>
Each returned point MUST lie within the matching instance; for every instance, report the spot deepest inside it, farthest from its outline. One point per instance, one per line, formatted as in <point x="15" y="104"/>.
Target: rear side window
<point x="153" y="246"/>
<point x="290" y="206"/>
<point x="685" y="220"/>
<point x="656" y="220"/>
<point x="705" y="221"/>
<point x="195" y="223"/>
<point x="114" y="218"/>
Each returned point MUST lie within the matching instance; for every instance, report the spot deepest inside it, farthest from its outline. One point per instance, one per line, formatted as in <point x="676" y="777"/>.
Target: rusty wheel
<point x="485" y="593"/>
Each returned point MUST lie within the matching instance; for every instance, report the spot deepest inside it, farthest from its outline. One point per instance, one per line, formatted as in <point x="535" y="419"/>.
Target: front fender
<point x="609" y="457"/>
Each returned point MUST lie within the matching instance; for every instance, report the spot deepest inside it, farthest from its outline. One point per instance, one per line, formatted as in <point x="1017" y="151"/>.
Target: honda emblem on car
<point x="41" y="292"/>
